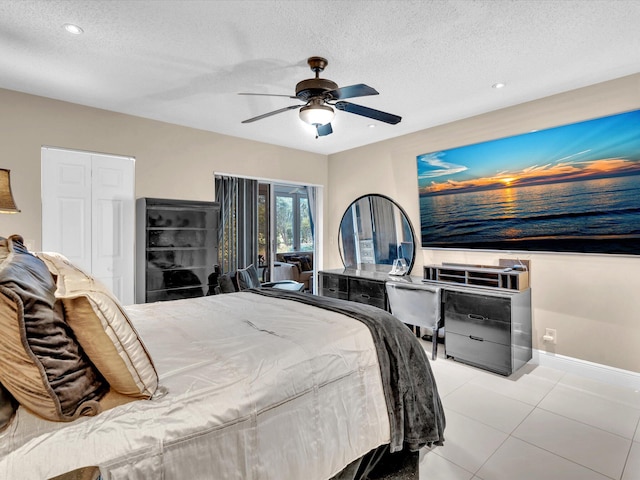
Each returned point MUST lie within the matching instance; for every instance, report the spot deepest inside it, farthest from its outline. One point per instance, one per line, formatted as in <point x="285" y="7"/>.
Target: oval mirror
<point x="374" y="230"/>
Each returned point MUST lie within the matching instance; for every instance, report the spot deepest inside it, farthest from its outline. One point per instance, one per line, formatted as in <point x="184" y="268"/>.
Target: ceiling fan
<point x="320" y="95"/>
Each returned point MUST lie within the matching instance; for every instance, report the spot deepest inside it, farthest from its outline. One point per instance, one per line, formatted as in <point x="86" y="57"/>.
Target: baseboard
<point x="584" y="368"/>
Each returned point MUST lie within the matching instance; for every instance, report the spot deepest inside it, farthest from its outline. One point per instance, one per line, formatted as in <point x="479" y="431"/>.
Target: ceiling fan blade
<point x="265" y="115"/>
<point x="368" y="112"/>
<point x="324" y="130"/>
<point x="359" y="90"/>
<point x="269" y="95"/>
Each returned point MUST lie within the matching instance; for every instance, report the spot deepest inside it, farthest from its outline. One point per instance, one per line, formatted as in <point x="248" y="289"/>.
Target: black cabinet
<point x="177" y="248"/>
<point x="491" y="330"/>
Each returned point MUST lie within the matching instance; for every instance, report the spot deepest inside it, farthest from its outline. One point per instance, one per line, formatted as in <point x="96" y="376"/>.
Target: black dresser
<point x="358" y="285"/>
<point x="486" y="327"/>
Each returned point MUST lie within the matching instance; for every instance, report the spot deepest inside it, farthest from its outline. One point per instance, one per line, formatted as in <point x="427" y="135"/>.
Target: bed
<point x="260" y="384"/>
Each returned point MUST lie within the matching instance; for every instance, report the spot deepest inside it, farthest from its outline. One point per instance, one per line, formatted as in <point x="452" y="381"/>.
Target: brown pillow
<point x="293" y="259"/>
<point x="41" y="363"/>
<point x="305" y="262"/>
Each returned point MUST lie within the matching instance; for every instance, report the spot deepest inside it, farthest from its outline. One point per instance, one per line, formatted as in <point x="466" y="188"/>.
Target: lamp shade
<point x="7" y="205"/>
<point x="316" y="114"/>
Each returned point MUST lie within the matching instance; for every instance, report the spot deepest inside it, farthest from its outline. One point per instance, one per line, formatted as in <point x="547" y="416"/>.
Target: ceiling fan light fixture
<point x="317" y="114"/>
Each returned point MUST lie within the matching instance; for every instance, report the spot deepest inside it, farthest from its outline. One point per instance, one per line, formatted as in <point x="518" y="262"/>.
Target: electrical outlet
<point x="550" y="335"/>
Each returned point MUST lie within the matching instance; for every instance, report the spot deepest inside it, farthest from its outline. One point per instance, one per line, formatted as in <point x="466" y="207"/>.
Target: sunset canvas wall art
<point x="573" y="188"/>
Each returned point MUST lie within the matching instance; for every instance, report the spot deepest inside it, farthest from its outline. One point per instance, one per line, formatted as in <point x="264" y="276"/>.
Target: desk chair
<point x="418" y="305"/>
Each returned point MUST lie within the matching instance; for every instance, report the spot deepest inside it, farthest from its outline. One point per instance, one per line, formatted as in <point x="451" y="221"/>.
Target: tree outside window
<point x="293" y="222"/>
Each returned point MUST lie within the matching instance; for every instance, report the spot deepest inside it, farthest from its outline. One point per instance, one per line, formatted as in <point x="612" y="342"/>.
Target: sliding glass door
<point x="285" y="223"/>
<point x="263" y="220"/>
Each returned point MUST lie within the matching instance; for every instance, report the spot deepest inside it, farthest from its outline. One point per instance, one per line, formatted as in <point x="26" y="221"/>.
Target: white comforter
<point x="257" y="388"/>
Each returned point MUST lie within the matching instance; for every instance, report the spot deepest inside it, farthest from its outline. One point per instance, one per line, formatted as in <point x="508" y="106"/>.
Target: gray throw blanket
<point x="415" y="412"/>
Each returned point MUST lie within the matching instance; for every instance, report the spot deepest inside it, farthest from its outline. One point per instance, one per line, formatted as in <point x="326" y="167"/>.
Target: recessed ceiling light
<point x="499" y="85"/>
<point x="371" y="125"/>
<point x="71" y="28"/>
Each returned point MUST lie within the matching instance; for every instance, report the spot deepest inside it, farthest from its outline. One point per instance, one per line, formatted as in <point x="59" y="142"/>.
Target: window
<point x="293" y="222"/>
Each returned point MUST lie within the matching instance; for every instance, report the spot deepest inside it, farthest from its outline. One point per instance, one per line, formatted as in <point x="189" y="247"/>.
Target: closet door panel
<point x="66" y="205"/>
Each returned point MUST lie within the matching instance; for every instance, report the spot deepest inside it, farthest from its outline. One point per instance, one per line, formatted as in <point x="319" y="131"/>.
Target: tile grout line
<point x="626" y="460"/>
<point x="564" y="458"/>
<point x="587" y="424"/>
<point x="568" y="459"/>
<point x="492" y="455"/>
<point x="596" y="395"/>
<point x="509" y="435"/>
<point x="556" y="383"/>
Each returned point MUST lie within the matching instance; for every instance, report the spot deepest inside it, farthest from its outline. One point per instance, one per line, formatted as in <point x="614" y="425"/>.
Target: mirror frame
<point x="404" y="216"/>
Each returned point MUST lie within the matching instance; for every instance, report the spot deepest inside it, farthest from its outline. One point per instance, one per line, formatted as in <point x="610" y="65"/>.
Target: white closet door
<point x="88" y="214"/>
<point x="66" y="205"/>
<point x="113" y="224"/>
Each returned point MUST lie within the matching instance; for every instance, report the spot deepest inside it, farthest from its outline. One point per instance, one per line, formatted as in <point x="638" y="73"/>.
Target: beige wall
<point x="171" y="161"/>
<point x="593" y="301"/>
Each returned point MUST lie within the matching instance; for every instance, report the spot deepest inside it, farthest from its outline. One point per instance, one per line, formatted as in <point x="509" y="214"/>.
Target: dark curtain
<point x="386" y="241"/>
<point x="348" y="239"/>
<point x="238" y="229"/>
<point x="311" y="197"/>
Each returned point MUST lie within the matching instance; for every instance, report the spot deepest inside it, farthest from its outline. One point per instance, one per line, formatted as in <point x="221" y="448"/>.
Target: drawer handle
<point x="331" y="289"/>
<point x="473" y="316"/>
<point x="477" y="339"/>
<point x="364" y="295"/>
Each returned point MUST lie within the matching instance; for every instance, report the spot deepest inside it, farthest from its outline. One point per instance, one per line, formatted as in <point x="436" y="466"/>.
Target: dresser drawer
<point x="334" y="286"/>
<point x="369" y="292"/>
<point x="482" y="317"/>
<point x="489" y="355"/>
<point x="487" y="306"/>
<point x="333" y="293"/>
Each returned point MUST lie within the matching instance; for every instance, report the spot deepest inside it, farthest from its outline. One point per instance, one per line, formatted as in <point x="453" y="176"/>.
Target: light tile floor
<point x="539" y="423"/>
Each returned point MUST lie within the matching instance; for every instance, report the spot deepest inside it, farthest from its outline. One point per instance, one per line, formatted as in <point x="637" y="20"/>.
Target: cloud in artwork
<point x="431" y="165"/>
<point x="564" y="159"/>
<point x="540" y="174"/>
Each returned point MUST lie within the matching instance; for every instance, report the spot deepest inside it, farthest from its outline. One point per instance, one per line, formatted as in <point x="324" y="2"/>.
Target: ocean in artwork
<point x="596" y="215"/>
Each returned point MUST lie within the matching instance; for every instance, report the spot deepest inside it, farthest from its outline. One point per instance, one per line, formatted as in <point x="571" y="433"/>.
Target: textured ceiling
<point x="184" y="62"/>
